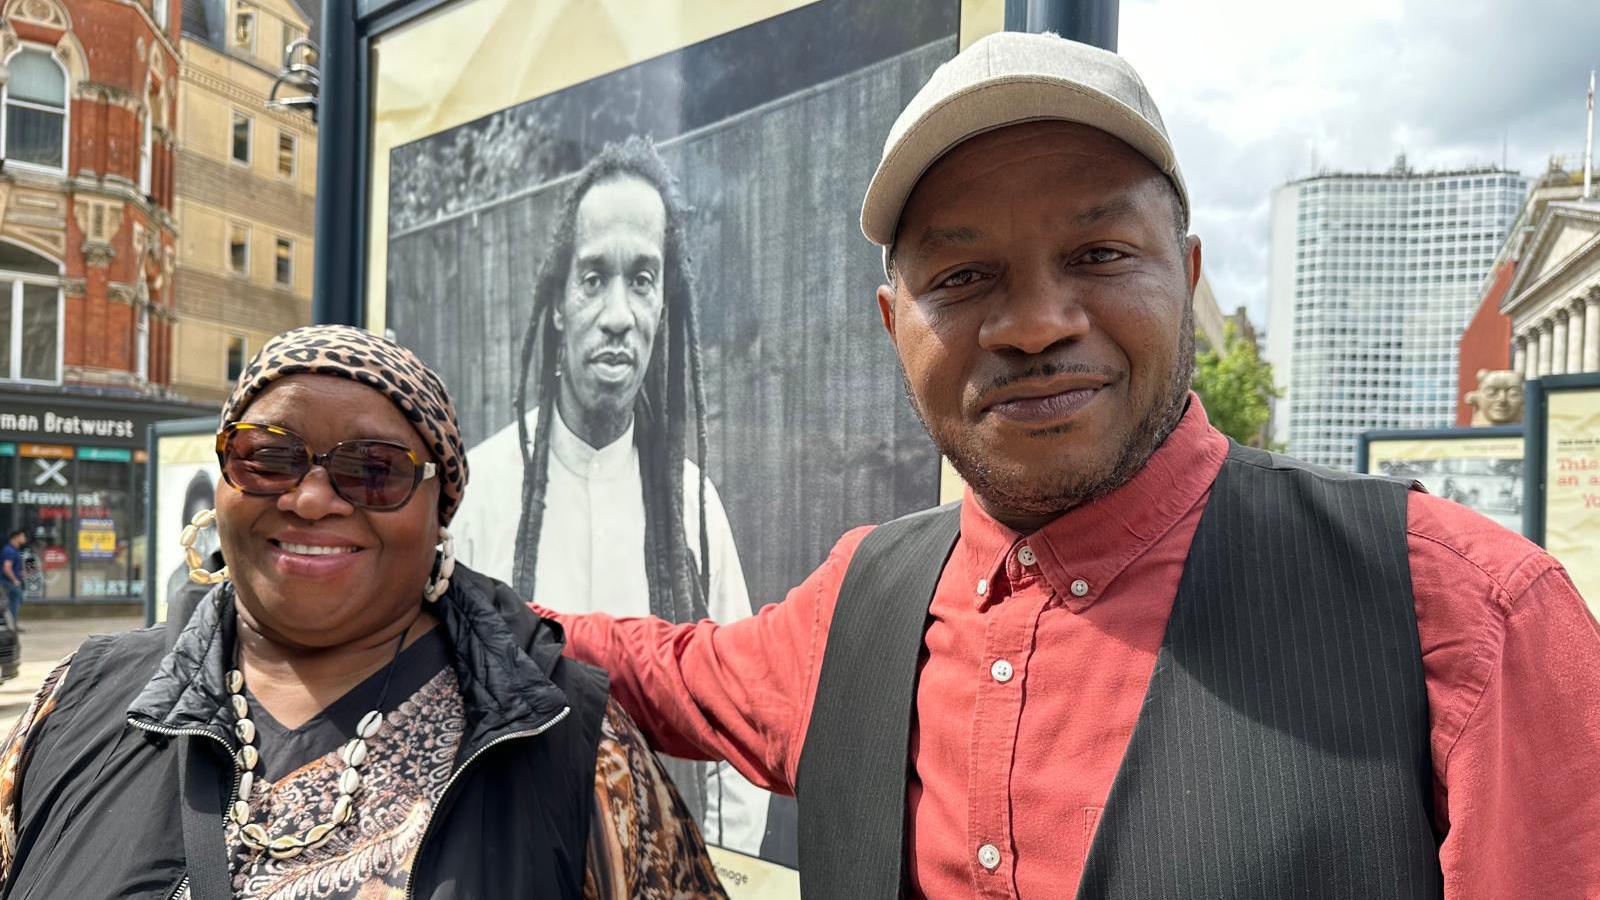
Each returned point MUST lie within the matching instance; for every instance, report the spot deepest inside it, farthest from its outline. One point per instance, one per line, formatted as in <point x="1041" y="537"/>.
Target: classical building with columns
<point x="1554" y="299"/>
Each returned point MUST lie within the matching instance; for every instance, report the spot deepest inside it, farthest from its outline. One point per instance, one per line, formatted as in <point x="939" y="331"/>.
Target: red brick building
<point x="88" y="92"/>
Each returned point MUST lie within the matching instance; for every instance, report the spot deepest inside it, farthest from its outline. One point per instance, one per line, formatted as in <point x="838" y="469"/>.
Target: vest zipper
<point x="411" y="876"/>
<point x="233" y="792"/>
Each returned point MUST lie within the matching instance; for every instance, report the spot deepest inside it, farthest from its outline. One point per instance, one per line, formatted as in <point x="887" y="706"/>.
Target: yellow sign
<point x="97" y="539"/>
<point x="1572" y="487"/>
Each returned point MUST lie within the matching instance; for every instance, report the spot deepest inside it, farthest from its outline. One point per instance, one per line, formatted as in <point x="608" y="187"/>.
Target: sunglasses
<point x="264" y="460"/>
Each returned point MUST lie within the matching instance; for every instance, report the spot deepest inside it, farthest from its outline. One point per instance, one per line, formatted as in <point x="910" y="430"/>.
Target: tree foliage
<point x="1236" y="386"/>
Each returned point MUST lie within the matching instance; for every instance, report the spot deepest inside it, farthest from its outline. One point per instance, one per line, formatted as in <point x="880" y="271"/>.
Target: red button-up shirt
<point x="1038" y="659"/>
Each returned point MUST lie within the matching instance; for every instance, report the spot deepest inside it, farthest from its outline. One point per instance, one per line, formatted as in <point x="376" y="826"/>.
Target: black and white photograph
<point x="650" y="297"/>
<point x="1491" y="485"/>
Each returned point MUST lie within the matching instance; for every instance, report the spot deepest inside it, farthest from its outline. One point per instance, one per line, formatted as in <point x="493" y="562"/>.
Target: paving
<point x="44" y="643"/>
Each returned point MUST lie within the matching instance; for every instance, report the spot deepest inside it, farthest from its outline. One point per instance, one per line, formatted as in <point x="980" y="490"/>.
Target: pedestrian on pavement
<point x="11" y="567"/>
<point x="323" y="726"/>
<point x="1136" y="660"/>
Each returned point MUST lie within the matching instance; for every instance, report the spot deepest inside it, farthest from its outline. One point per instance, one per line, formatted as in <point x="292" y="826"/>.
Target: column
<point x="1546" y="329"/>
<point x="1519" y="355"/>
<point x="1558" y="347"/>
<point x="1591" y="331"/>
<point x="1575" y="338"/>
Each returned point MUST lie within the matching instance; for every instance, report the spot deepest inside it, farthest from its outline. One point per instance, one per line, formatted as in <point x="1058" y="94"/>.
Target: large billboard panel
<point x="638" y="267"/>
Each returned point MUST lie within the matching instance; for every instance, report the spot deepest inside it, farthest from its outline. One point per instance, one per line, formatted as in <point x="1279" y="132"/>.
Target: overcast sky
<point x="1253" y="91"/>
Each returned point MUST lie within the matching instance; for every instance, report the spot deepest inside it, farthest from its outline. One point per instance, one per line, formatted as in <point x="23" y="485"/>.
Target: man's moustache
<point x="1045" y="370"/>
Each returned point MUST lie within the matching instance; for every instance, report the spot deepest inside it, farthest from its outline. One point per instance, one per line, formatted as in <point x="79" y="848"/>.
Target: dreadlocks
<point x="672" y="384"/>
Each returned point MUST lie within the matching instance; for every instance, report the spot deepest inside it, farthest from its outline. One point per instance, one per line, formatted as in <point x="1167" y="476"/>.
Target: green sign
<point x="105" y="454"/>
<point x="8" y="449"/>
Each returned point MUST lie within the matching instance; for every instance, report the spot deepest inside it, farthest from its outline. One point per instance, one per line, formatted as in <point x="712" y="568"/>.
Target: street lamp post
<point x="1089" y="21"/>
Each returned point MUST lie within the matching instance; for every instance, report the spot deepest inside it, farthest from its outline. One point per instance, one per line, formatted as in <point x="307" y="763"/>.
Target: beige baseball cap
<point x="1007" y="79"/>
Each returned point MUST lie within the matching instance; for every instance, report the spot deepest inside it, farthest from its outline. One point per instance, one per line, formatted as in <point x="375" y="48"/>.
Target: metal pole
<point x="1089" y="21"/>
<point x="1533" y="460"/>
<point x="1588" y="145"/>
<point x="336" y="294"/>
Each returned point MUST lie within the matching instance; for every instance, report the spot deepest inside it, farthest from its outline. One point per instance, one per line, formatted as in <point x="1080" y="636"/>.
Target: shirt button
<point x="1001" y="670"/>
<point x="1080" y="588"/>
<point x="983" y="587"/>
<point x="1026" y="556"/>
<point x="989" y="857"/>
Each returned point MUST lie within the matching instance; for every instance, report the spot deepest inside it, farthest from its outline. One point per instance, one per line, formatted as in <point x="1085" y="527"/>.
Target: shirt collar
<point x="1083" y="550"/>
<point x="579" y="458"/>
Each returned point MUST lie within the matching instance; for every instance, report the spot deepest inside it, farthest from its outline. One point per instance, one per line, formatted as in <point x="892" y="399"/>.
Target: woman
<point x="348" y="714"/>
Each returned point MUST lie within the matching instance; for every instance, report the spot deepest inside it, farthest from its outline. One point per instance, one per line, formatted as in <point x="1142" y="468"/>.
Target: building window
<point x="241" y="138"/>
<point x="291" y="34"/>
<point x="141" y="339"/>
<point x="239" y="249"/>
<point x="284" y="271"/>
<point x="30" y="315"/>
<point x="146" y="145"/>
<point x="35" y="97"/>
<point x="286" y="154"/>
<point x="244" y="27"/>
<point x="234" y="364"/>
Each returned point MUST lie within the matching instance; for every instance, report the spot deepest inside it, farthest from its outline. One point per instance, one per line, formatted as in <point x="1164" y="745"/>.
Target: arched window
<point x="30" y="315"/>
<point x="35" y="97"/>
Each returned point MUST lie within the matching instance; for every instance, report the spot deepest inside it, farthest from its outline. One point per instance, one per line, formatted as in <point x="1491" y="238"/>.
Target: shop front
<point x="72" y="476"/>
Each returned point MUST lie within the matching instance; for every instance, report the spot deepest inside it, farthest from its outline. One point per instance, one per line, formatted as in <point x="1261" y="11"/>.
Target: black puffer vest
<point x="100" y="815"/>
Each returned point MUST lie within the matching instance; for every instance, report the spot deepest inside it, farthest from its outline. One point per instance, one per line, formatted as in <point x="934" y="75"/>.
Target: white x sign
<point x="50" y="471"/>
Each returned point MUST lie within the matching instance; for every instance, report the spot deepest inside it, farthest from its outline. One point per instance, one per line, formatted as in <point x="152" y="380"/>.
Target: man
<point x="11" y="567"/>
<point x="1136" y="659"/>
<point x="615" y="516"/>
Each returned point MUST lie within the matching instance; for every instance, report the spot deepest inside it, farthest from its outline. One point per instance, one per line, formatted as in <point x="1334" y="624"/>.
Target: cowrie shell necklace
<point x="353" y="754"/>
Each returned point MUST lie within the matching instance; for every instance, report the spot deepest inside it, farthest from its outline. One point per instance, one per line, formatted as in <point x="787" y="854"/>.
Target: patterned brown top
<point x="642" y="841"/>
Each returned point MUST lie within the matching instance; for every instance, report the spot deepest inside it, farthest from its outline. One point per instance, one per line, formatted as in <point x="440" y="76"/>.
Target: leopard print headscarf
<point x="382" y="365"/>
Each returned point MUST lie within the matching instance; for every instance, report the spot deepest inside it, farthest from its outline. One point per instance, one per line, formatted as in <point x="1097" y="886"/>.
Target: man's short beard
<point x="1032" y="498"/>
<point x="602" y="422"/>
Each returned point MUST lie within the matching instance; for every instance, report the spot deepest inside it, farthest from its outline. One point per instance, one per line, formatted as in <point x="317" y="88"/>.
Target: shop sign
<point x="46" y="451"/>
<point x="54" y="557"/>
<point x="52" y="423"/>
<point x="105" y="454"/>
<point x="67" y="421"/>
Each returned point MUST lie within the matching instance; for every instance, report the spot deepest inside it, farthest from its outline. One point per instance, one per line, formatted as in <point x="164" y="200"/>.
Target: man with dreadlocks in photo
<point x="615" y="515"/>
